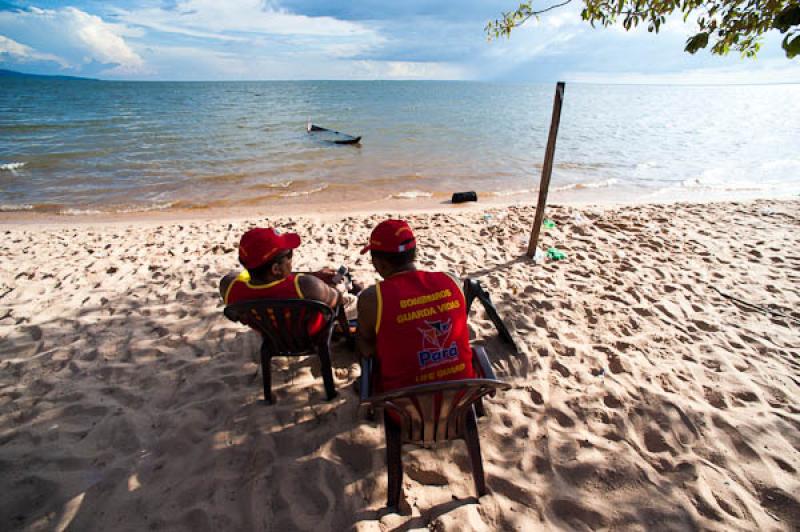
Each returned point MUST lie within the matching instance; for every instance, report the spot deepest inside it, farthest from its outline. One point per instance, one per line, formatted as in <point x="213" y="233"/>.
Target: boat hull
<point x="329" y="135"/>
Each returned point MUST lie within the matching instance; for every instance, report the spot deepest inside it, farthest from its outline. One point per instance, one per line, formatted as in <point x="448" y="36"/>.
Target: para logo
<point x="435" y="347"/>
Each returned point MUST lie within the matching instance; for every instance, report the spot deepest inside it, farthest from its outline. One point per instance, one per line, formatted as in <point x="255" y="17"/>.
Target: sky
<point x="355" y="40"/>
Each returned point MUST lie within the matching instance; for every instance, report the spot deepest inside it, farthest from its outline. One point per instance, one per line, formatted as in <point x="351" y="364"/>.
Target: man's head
<point x="266" y="253"/>
<point x="392" y="246"/>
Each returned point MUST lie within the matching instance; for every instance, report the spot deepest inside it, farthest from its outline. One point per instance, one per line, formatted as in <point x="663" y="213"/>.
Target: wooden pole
<point x="547" y="169"/>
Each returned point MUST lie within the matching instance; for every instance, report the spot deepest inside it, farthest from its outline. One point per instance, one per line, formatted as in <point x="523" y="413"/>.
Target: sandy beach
<point x="643" y="397"/>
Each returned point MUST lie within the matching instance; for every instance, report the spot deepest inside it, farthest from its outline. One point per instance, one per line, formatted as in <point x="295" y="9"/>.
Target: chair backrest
<point x="435" y="412"/>
<point x="285" y="323"/>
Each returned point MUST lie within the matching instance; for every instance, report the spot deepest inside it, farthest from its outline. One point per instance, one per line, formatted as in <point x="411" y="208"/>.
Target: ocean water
<point x="85" y="146"/>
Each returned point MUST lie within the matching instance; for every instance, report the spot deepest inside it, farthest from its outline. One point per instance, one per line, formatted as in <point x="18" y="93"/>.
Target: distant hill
<point x="21" y="75"/>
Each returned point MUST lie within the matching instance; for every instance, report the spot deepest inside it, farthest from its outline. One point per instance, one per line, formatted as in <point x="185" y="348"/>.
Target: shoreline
<point x="439" y="202"/>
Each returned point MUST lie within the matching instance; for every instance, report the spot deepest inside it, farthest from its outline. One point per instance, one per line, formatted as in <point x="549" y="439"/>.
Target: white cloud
<point x="257" y="31"/>
<point x="190" y="63"/>
<point x="74" y="35"/>
<point x="419" y="70"/>
<point x="24" y="54"/>
<point x="772" y="71"/>
<point x="217" y="19"/>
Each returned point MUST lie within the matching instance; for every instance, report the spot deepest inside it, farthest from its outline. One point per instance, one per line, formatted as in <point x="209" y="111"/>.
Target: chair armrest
<point x="491" y="386"/>
<point x="231" y="314"/>
<point x="480" y="363"/>
<point x="366" y="379"/>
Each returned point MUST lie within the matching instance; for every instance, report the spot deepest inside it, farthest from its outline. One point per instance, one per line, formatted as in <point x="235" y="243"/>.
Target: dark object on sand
<point x="472" y="290"/>
<point x="329" y="135"/>
<point x="461" y="197"/>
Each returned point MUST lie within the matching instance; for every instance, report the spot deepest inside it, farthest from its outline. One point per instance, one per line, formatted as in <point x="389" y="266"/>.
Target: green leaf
<point x="787" y="18"/>
<point x="792" y="47"/>
<point x="696" y="42"/>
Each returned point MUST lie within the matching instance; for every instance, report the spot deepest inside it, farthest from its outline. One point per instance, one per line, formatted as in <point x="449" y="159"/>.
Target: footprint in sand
<point x="656" y="442"/>
<point x="781" y="505"/>
<point x="578" y="516"/>
<point x="563" y="419"/>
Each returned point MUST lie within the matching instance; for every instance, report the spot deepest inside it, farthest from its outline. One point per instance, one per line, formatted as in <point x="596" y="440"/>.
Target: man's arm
<point x="366" y="339"/>
<point x="313" y="288"/>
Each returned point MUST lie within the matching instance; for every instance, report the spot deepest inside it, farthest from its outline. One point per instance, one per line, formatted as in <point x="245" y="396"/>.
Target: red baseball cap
<point x="392" y="236"/>
<point x="260" y="245"/>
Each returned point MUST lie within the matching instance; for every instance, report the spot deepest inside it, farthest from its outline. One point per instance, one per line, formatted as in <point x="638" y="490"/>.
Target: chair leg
<point x="480" y="410"/>
<point x="474" y="449"/>
<point x="266" y="374"/>
<point x="327" y="371"/>
<point x="394" y="462"/>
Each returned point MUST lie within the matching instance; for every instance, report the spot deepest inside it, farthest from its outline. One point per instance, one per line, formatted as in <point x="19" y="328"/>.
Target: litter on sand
<point x="555" y="254"/>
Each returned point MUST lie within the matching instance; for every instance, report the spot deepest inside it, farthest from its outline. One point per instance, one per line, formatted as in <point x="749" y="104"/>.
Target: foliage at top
<point x="725" y="24"/>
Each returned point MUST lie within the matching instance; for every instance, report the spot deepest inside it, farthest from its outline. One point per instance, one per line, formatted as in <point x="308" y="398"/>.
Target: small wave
<point x="280" y="184"/>
<point x="411" y="194"/>
<point x="310" y="191"/>
<point x="10" y="207"/>
<point x="699" y="183"/>
<point x="503" y="193"/>
<point x="594" y="184"/>
<point x="79" y="212"/>
<point x="146" y="208"/>
<point x="647" y="165"/>
<point x="11" y="166"/>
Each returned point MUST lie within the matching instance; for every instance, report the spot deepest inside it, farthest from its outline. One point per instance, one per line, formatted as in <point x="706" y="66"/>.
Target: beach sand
<point x="642" y="399"/>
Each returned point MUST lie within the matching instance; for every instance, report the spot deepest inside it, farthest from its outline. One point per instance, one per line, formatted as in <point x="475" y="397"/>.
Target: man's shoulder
<point x="309" y="285"/>
<point x="370" y="293"/>
<point x="439" y="272"/>
<point x="453" y="277"/>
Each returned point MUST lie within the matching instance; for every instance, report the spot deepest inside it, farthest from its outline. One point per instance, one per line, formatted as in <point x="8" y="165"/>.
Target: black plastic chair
<point x="432" y="413"/>
<point x="284" y="325"/>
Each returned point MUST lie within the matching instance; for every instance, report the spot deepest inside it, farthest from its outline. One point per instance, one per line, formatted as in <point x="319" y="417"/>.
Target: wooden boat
<point x="329" y="135"/>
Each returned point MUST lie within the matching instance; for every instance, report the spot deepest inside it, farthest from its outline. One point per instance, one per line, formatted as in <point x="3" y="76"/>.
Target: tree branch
<point x="545" y="10"/>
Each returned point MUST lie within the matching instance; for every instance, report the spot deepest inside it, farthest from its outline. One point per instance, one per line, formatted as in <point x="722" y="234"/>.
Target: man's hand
<point x="357" y="287"/>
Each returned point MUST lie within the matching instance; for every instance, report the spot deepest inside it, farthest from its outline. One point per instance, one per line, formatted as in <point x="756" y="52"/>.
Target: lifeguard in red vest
<point x="413" y="322"/>
<point x="266" y="255"/>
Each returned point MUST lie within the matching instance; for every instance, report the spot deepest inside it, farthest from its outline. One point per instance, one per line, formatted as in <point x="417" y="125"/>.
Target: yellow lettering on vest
<point x="426" y="298"/>
<point x="449" y="371"/>
<point x="426" y="312"/>
<point x="449" y="305"/>
<point x="425" y="377"/>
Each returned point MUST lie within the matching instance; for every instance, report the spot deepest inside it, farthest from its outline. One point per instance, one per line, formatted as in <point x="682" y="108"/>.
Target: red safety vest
<point x="422" y="330"/>
<point x="287" y="288"/>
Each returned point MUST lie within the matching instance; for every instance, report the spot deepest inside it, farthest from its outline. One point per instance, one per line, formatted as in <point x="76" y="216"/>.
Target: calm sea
<point x="78" y="146"/>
